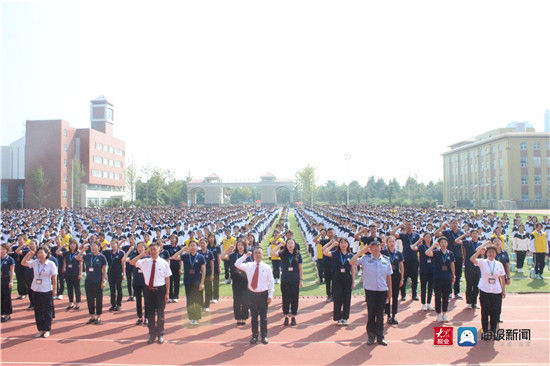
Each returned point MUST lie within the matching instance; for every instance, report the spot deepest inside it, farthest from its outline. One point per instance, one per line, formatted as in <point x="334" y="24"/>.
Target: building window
<point x="105" y="174"/>
<point x="536" y="146"/>
<point x="523" y="162"/>
<point x="524" y="179"/>
<point x="111" y="149"/>
<point x="65" y="178"/>
<point x="538" y="197"/>
<point x="537" y="179"/>
<point x="99" y="146"/>
<point x="65" y="132"/>
<point x="548" y="161"/>
<point x="117" y="176"/>
<point x="65" y="163"/>
<point x="97" y="159"/>
<point x="500" y="163"/>
<point x="96" y="173"/>
<point x="112" y="175"/>
<point x="105" y="161"/>
<point x="64" y="193"/>
<point x="499" y="147"/>
<point x="118" y="164"/>
<point x="64" y="147"/>
<point x="525" y="196"/>
<point x="500" y="181"/>
<point x="523" y="146"/>
<point x="111" y="162"/>
<point x="536" y="161"/>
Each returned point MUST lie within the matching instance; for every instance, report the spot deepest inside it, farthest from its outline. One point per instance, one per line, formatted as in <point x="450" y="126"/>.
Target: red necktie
<point x="152" y="278"/>
<point x="254" y="283"/>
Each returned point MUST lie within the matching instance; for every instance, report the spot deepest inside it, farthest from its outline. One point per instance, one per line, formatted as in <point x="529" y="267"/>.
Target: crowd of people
<point x="152" y="249"/>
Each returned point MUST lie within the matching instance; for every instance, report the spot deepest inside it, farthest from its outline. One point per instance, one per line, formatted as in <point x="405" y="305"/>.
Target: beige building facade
<point x="506" y="168"/>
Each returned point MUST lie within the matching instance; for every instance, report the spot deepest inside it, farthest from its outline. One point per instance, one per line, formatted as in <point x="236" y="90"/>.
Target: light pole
<point x="347" y="158"/>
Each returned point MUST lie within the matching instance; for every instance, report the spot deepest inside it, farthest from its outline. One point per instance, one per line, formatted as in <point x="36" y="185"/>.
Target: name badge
<point x="38" y="281"/>
<point x="429" y="261"/>
<point x="91" y="269"/>
<point x="443" y="268"/>
<point x="70" y="266"/>
<point x="491" y="281"/>
<point x="140" y="271"/>
<point x="192" y="271"/>
<point x="290" y="269"/>
<point x="343" y="270"/>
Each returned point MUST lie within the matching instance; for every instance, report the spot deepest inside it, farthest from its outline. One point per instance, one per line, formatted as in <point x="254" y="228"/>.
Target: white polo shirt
<point x="162" y="270"/>
<point x="42" y="281"/>
<point x="491" y="271"/>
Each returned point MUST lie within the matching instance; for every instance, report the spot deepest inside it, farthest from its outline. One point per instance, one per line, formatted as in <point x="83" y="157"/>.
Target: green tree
<point x="305" y="181"/>
<point x="77" y="173"/>
<point x="38" y="183"/>
<point x="131" y="180"/>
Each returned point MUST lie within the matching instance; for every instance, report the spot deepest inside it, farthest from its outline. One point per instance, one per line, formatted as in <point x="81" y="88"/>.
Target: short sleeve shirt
<point x="42" y="280"/>
<point x="375" y="272"/>
<point x="94" y="267"/>
<point x="289" y="266"/>
<point x="490" y="273"/>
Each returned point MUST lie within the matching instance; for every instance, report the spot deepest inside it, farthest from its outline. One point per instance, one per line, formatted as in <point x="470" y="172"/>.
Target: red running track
<point x="316" y="340"/>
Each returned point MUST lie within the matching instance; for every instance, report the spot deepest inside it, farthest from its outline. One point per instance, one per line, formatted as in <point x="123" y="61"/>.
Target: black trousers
<point x="459" y="261"/>
<point x="539" y="259"/>
<point x="94" y="297"/>
<point x="28" y="276"/>
<point x="175" y="278"/>
<point x="442" y="290"/>
<point x="472" y="274"/>
<point x="22" y="288"/>
<point x="376" y="301"/>
<point x="194" y="300"/>
<point x="426" y="287"/>
<point x="411" y="271"/>
<point x="258" y="308"/>
<point x="240" y="298"/>
<point x="129" y="279"/>
<point x="320" y="270"/>
<point x="520" y="258"/>
<point x="491" y="305"/>
<point x="226" y="269"/>
<point x="43" y="310"/>
<point x="276" y="264"/>
<point x="7" y="308"/>
<point x="154" y="310"/>
<point x="138" y="293"/>
<point x="395" y="279"/>
<point x="216" y="286"/>
<point x="115" y="287"/>
<point x="290" y="291"/>
<point x="207" y="291"/>
<point x="73" y="287"/>
<point x="60" y="283"/>
<point x="328" y="279"/>
<point x="341" y="296"/>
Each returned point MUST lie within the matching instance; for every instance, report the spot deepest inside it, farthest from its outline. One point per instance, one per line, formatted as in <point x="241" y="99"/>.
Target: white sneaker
<point x="207" y="310"/>
<point x="424" y="307"/>
<point x="344" y="322"/>
<point x="439" y="318"/>
<point x="445" y="319"/>
<point x="520" y="270"/>
<point x="46" y="334"/>
<point x="469" y="306"/>
<point x="39" y="334"/>
<point x="175" y="300"/>
<point x="55" y="297"/>
<point x="339" y="322"/>
<point x="214" y="301"/>
<point x="60" y="297"/>
<point x="431" y="308"/>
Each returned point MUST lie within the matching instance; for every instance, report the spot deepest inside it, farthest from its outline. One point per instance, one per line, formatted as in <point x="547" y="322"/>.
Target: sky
<point x="241" y="88"/>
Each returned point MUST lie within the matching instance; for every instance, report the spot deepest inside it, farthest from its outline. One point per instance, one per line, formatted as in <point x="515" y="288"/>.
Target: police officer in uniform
<point x="377" y="281"/>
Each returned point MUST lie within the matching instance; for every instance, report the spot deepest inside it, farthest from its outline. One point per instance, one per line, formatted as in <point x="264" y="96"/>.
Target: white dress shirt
<point x="162" y="270"/>
<point x="42" y="281"/>
<point x="491" y="271"/>
<point x="265" y="275"/>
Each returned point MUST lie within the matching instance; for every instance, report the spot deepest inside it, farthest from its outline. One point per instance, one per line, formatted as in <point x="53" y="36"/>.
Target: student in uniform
<point x="291" y="278"/>
<point x="8" y="269"/>
<point x="443" y="275"/>
<point x="216" y="253"/>
<point x="175" y="267"/>
<point x="73" y="274"/>
<point x="260" y="283"/>
<point x="539" y="248"/>
<point x="44" y="285"/>
<point x="238" y="281"/>
<point x="274" y="243"/>
<point x="520" y="245"/>
<point x="410" y="263"/>
<point x="130" y="270"/>
<point x="156" y="272"/>
<point x="138" y="282"/>
<point x="492" y="287"/>
<point x="377" y="281"/>
<point x="26" y="273"/>
<point x="451" y="234"/>
<point x="194" y="272"/>
<point x="397" y="280"/>
<point x="228" y="241"/>
<point x="319" y="257"/>
<point x="425" y="270"/>
<point x="115" y="274"/>
<point x="343" y="278"/>
<point x="95" y="265"/>
<point x="208" y="256"/>
<point x="471" y="271"/>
